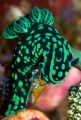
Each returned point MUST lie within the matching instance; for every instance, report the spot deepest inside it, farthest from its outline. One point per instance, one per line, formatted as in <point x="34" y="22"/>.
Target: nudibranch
<point x="40" y="45"/>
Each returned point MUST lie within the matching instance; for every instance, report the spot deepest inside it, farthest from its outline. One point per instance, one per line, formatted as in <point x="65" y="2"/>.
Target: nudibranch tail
<point x="75" y="61"/>
<point x="18" y="101"/>
<point x="76" y="54"/>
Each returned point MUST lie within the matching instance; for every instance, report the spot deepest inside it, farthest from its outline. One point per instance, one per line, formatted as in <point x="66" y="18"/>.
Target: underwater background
<point x="67" y="15"/>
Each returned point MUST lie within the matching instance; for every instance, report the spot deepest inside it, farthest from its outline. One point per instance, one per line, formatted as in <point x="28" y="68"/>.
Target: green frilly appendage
<point x="42" y="16"/>
<point x="9" y="33"/>
<point x="21" y="25"/>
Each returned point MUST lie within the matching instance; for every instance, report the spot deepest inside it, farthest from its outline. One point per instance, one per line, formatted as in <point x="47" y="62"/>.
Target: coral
<point x="74" y="96"/>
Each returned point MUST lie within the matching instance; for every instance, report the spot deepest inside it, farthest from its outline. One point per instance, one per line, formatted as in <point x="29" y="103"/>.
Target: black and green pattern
<point x="40" y="45"/>
<point x="74" y="96"/>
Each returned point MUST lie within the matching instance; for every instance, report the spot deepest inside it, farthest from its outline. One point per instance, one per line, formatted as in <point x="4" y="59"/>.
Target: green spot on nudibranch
<point x="49" y="28"/>
<point x="21" y="106"/>
<point x="18" y="59"/>
<point x="55" y="46"/>
<point x="38" y="45"/>
<point x="20" y="84"/>
<point x="60" y="49"/>
<point x="70" y="64"/>
<point x="22" y="47"/>
<point x="42" y="68"/>
<point x="19" y="42"/>
<point x="16" y="102"/>
<point x="48" y="45"/>
<point x="48" y="34"/>
<point x="33" y="44"/>
<point x="23" y="91"/>
<point x="15" y="99"/>
<point x="33" y="31"/>
<point x="26" y="84"/>
<point x="66" y="73"/>
<point x="37" y="35"/>
<point x="26" y="59"/>
<point x="44" y="53"/>
<point x="39" y="38"/>
<point x="36" y="55"/>
<point x="63" y="66"/>
<point x="57" y="67"/>
<point x="58" y="60"/>
<point x="27" y="51"/>
<point x="60" y="74"/>
<point x="40" y="52"/>
<point x="13" y="85"/>
<point x="29" y="42"/>
<point x="9" y="106"/>
<point x="22" y="99"/>
<point x="54" y="39"/>
<point x="46" y="79"/>
<point x="29" y="38"/>
<point x="59" y="42"/>
<point x="15" y="76"/>
<point x="40" y="27"/>
<point x="12" y="66"/>
<point x="34" y="61"/>
<point x="47" y="37"/>
<point x="19" y="51"/>
<point x="69" y="48"/>
<point x="27" y="68"/>
<point x="54" y="72"/>
<point x="56" y="31"/>
<point x="15" y="90"/>
<point x="59" y="36"/>
<point x="12" y="74"/>
<point x="15" y="107"/>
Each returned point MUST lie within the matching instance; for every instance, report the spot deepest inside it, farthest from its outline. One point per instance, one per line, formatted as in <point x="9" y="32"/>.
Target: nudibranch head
<point x="23" y="24"/>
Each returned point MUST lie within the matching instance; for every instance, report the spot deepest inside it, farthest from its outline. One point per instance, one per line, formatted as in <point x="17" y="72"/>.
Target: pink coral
<point x="54" y="94"/>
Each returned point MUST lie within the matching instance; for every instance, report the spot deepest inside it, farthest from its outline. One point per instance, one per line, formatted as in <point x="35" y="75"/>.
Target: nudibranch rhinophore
<point x="40" y="45"/>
